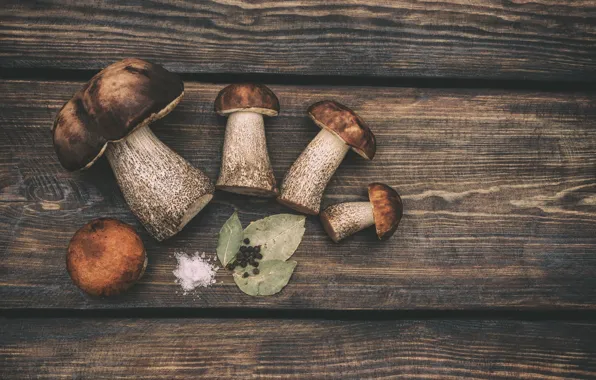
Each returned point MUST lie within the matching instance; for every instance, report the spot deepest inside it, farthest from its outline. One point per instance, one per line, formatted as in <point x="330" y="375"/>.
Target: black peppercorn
<point x="255" y="271"/>
<point x="230" y="266"/>
<point x="246" y="241"/>
<point x="259" y="256"/>
<point x="245" y="274"/>
<point x="243" y="264"/>
<point x="253" y="262"/>
<point x="242" y="249"/>
<point x="258" y="248"/>
<point x="256" y="264"/>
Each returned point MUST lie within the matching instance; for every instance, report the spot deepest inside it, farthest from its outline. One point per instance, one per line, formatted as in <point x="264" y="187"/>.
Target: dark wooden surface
<point x="499" y="191"/>
<point x="295" y="349"/>
<point x="539" y="40"/>
<point x="491" y="275"/>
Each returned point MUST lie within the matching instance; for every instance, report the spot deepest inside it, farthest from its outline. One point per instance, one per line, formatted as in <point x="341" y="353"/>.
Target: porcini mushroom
<point x="384" y="210"/>
<point x="341" y="128"/>
<point x="111" y="114"/>
<point x="105" y="257"/>
<point x="245" y="165"/>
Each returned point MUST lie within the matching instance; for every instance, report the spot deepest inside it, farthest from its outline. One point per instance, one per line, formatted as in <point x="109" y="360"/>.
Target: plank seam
<point x="305" y="314"/>
<point x="320" y="80"/>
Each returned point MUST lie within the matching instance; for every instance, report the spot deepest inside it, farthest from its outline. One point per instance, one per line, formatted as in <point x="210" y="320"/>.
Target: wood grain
<point x="499" y="192"/>
<point x="292" y="349"/>
<point x="538" y="40"/>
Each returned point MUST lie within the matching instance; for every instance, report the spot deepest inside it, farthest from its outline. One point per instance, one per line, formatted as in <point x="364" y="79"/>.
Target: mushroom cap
<point x="249" y="97"/>
<point x="346" y="124"/>
<point x="122" y="97"/>
<point x="105" y="257"/>
<point x="387" y="209"/>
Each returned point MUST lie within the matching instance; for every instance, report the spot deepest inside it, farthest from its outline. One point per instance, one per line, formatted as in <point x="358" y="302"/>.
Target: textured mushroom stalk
<point x="245" y="167"/>
<point x="345" y="219"/>
<point x="163" y="190"/>
<point x="305" y="182"/>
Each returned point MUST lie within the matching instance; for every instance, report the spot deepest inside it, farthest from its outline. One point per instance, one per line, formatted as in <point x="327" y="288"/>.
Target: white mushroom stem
<point x="303" y="186"/>
<point x="245" y="165"/>
<point x="345" y="219"/>
<point x="163" y="190"/>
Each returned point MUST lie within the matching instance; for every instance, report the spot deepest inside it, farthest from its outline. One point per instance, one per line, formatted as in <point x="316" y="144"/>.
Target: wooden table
<point x="485" y="115"/>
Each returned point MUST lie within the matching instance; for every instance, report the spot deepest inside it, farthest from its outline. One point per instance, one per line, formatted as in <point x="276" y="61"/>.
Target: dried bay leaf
<point x="272" y="278"/>
<point x="278" y="235"/>
<point x="230" y="238"/>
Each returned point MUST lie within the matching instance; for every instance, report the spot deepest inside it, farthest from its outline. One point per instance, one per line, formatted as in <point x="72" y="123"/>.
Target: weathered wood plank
<point x="290" y="349"/>
<point x="543" y="39"/>
<point x="499" y="191"/>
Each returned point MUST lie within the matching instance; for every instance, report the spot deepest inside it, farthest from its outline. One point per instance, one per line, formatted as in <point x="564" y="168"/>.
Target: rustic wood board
<point x="499" y="190"/>
<point x="538" y="40"/>
<point x="291" y="349"/>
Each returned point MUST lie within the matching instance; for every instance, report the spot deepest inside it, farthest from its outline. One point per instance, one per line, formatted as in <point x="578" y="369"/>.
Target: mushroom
<point x="384" y="209"/>
<point x="245" y="165"/>
<point x="111" y="114"/>
<point x="341" y="128"/>
<point x="105" y="257"/>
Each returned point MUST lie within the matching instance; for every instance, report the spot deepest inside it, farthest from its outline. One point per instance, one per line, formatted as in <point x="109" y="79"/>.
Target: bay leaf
<point x="278" y="235"/>
<point x="272" y="278"/>
<point x="230" y="238"/>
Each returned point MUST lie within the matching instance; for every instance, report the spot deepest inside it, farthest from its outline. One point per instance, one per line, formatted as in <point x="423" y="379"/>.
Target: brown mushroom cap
<point x="346" y="124"/>
<point x="247" y="97"/>
<point x="105" y="257"/>
<point x="122" y="97"/>
<point x="387" y="209"/>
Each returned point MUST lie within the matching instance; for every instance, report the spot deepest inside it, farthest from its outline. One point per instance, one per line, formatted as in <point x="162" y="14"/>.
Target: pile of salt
<point x="194" y="271"/>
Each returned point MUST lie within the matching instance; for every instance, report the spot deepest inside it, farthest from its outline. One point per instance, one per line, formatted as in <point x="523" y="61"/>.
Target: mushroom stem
<point x="303" y="186"/>
<point x="163" y="190"/>
<point x="245" y="166"/>
<point x="345" y="219"/>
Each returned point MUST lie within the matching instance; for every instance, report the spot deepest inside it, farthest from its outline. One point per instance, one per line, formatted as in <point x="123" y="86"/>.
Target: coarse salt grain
<point x="194" y="271"/>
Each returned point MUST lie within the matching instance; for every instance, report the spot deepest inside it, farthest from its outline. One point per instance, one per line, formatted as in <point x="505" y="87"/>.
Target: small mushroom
<point x="111" y="114"/>
<point x="105" y="257"/>
<point x="341" y="128"/>
<point x="245" y="165"/>
<point x="384" y="210"/>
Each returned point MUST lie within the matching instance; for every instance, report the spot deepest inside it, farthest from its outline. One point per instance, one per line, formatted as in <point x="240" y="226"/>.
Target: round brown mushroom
<point x="111" y="114"/>
<point x="341" y="129"/>
<point x="105" y="257"/>
<point x="245" y="165"/>
<point x="384" y="210"/>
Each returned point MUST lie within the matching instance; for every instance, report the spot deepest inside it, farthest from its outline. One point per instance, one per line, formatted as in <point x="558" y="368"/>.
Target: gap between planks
<point x="45" y="74"/>
<point x="303" y="314"/>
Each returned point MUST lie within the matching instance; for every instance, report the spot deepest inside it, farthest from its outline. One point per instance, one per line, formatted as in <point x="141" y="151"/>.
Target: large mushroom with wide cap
<point x="105" y="257"/>
<point x="341" y="129"/>
<point x="111" y="114"/>
<point x="245" y="165"/>
<point x="383" y="210"/>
